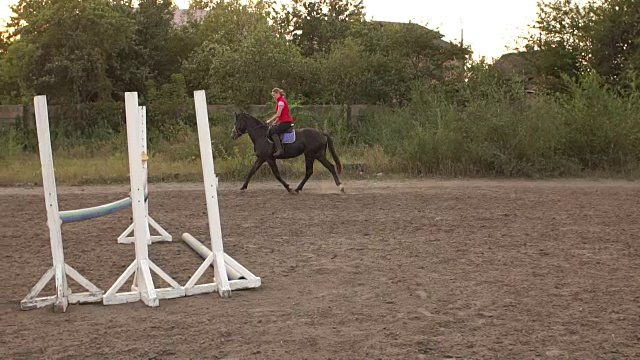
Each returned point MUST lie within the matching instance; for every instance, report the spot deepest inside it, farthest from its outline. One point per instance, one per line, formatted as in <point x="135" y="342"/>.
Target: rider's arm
<point x="275" y="117"/>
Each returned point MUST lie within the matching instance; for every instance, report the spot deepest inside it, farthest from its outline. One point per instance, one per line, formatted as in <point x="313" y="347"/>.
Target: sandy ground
<point x="473" y="269"/>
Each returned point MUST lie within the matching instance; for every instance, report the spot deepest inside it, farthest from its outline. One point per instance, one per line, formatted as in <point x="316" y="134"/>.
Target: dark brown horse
<point x="310" y="142"/>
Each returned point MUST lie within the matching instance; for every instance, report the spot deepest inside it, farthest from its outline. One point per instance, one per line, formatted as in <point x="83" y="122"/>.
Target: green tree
<point x="342" y="76"/>
<point x="151" y="55"/>
<point x="614" y="36"/>
<point x="231" y="20"/>
<point x="185" y="38"/>
<point x="573" y="38"/>
<point x="559" y="39"/>
<point x="168" y="103"/>
<point x="315" y="25"/>
<point x="397" y="54"/>
<point x="63" y="48"/>
<point x="244" y="72"/>
<point x="241" y="59"/>
<point x="154" y="21"/>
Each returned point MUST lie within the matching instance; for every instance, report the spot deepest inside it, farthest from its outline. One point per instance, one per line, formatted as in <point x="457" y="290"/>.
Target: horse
<point x="312" y="143"/>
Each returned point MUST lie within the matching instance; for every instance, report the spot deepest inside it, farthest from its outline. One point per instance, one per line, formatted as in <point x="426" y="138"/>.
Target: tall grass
<point x="174" y="156"/>
<point x="486" y="127"/>
<point x="504" y="132"/>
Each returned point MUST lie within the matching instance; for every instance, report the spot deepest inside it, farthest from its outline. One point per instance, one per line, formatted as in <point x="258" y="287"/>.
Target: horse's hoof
<point x="341" y="188"/>
<point x="243" y="190"/>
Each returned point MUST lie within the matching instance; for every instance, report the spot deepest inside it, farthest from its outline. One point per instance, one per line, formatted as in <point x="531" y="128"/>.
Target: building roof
<point x="182" y="16"/>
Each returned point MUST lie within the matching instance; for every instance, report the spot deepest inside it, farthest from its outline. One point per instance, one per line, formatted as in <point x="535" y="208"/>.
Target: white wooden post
<point x="217" y="256"/>
<point x="51" y="200"/>
<point x="137" y="159"/>
<point x="125" y="237"/>
<point x="60" y="269"/>
<point x="143" y="288"/>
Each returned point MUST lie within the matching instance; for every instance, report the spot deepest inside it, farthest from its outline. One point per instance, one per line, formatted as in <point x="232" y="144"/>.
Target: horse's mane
<point x="253" y="121"/>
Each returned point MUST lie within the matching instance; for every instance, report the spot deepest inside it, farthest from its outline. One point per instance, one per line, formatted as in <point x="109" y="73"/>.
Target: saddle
<point x="288" y="137"/>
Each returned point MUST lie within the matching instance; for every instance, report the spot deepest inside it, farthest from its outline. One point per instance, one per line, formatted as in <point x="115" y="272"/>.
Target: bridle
<point x="235" y="131"/>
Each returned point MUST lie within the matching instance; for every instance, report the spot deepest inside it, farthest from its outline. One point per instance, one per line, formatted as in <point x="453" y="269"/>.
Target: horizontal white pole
<point x="205" y="252"/>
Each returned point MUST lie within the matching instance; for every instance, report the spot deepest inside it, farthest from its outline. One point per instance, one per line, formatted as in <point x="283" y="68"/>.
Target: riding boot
<point x="278" y="144"/>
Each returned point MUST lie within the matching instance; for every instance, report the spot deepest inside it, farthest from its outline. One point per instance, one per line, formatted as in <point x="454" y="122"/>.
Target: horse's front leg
<point x="254" y="168"/>
<point x="308" y="161"/>
<point x="276" y="172"/>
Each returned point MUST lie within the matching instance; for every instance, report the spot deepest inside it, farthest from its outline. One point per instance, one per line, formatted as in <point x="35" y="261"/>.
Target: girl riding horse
<point x="282" y="118"/>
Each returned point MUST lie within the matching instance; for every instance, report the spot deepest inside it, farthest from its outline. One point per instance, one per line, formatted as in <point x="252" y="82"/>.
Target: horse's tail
<point x="333" y="154"/>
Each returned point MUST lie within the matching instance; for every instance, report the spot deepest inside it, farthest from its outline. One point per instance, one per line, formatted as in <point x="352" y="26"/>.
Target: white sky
<point x="489" y="25"/>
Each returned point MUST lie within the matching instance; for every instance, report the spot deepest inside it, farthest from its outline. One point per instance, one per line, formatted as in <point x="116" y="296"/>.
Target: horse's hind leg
<point x="308" y="162"/>
<point x="254" y="168"/>
<point x="323" y="160"/>
<point x="276" y="173"/>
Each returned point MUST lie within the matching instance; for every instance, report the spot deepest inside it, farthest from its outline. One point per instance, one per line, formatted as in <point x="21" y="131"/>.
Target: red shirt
<point x="285" y="116"/>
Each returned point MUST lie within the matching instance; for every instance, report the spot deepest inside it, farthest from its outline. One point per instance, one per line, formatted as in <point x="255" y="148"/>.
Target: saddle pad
<point x="288" y="138"/>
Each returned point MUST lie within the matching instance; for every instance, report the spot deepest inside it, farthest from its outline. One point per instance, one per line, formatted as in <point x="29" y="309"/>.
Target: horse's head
<point x="244" y="123"/>
<point x="239" y="128"/>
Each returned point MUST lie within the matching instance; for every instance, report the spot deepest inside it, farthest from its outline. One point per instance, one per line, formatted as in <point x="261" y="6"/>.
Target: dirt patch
<point x="404" y="269"/>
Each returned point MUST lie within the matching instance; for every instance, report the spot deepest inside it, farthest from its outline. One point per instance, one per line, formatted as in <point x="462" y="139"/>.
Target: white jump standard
<point x="228" y="274"/>
<point x="143" y="288"/>
<point x="59" y="270"/>
<point x="125" y="237"/>
<point x="216" y="258"/>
